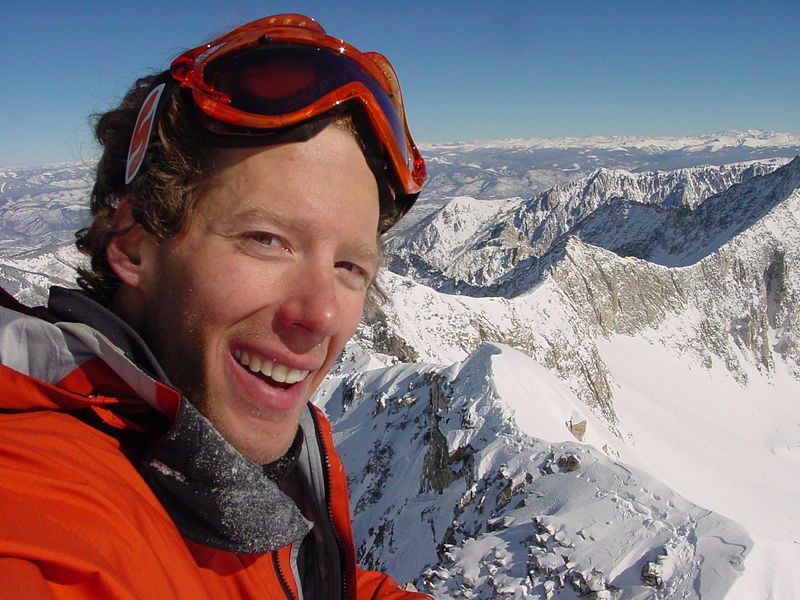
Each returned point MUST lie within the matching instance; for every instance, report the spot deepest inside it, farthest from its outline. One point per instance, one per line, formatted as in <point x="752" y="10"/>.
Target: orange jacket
<point x="78" y="521"/>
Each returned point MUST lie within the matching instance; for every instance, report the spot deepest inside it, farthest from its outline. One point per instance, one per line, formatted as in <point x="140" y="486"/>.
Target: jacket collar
<point x="214" y="494"/>
<point x="74" y="306"/>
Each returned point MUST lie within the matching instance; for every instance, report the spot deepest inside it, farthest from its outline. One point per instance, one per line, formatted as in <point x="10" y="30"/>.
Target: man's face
<point x="269" y="277"/>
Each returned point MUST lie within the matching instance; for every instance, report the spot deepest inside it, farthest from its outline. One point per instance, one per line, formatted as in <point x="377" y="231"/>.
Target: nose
<point x="310" y="310"/>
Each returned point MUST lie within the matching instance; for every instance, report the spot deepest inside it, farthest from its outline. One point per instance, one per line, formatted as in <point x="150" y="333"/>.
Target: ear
<point x="130" y="251"/>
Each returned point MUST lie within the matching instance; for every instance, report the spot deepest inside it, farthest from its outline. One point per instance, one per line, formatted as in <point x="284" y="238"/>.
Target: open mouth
<point x="270" y="371"/>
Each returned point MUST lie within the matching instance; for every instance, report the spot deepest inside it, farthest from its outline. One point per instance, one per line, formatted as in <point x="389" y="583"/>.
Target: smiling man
<point x="156" y="435"/>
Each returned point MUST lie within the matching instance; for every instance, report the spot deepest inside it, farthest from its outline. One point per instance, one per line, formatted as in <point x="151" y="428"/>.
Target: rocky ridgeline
<point x="450" y="493"/>
<point x="469" y="245"/>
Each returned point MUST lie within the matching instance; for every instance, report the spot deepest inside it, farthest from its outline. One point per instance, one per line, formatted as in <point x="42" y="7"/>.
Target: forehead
<point x="322" y="184"/>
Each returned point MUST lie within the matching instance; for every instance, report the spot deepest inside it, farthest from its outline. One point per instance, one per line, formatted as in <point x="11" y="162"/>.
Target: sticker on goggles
<point x="141" y="133"/>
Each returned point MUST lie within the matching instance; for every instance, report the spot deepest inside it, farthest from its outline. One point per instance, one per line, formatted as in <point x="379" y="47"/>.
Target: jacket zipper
<point x="282" y="577"/>
<point x="295" y="569"/>
<point x="326" y="473"/>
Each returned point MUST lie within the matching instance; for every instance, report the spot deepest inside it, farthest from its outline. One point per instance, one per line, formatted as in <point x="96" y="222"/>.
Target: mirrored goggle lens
<point x="277" y="80"/>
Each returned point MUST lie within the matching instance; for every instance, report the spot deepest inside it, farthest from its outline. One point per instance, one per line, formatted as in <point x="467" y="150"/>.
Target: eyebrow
<point x="367" y="253"/>
<point x="260" y="214"/>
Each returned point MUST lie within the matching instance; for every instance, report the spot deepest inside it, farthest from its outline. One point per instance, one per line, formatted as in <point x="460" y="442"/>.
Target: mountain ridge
<point x="485" y="250"/>
<point x="716" y="140"/>
<point x="526" y="167"/>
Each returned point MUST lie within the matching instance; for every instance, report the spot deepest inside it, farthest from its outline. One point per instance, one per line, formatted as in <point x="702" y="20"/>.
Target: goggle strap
<point x="157" y="98"/>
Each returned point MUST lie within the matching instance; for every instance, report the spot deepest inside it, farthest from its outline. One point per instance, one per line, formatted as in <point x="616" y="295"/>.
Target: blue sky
<point x="470" y="69"/>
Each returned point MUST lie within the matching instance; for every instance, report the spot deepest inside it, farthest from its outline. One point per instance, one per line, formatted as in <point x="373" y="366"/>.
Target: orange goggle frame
<point x="281" y="71"/>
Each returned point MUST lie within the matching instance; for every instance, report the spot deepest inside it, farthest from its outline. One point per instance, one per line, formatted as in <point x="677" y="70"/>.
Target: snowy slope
<point x="734" y="449"/>
<point x="694" y="369"/>
<point x="492" y="496"/>
<point x="42" y="205"/>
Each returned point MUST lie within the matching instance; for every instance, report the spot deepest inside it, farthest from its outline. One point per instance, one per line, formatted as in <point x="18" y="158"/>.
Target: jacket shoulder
<point x="74" y="509"/>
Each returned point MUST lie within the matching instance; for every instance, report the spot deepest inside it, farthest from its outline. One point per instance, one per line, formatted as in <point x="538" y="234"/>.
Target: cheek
<point x="224" y="288"/>
<point x="352" y="308"/>
<point x="192" y="303"/>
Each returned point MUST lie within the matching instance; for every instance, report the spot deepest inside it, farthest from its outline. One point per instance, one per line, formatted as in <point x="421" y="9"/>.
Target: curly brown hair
<point x="179" y="165"/>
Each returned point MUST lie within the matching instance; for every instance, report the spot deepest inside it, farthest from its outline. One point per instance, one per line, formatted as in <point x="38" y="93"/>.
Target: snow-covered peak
<point x="494" y="495"/>
<point x="467" y="245"/>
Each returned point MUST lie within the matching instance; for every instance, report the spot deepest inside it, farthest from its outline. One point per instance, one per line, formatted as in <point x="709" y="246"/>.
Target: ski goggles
<point x="282" y="71"/>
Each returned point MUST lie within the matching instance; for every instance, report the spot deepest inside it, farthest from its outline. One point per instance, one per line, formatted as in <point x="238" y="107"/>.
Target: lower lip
<point x="264" y="396"/>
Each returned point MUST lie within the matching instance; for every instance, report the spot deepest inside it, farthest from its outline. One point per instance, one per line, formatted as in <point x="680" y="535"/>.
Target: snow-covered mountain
<point x="559" y="276"/>
<point x="523" y="167"/>
<point x="665" y="301"/>
<point x="473" y="476"/>
<point x="476" y="242"/>
<point x="40" y="210"/>
<point x="587" y="389"/>
<point x="42" y="205"/>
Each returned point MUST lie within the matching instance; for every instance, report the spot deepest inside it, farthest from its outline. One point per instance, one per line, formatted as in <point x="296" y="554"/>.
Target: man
<point x="156" y="439"/>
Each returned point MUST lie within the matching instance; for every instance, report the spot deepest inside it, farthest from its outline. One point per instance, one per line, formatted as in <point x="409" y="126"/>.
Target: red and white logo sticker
<point x="141" y="133"/>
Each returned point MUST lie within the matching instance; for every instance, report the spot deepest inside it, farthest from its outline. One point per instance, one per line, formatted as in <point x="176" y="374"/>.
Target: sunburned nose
<point x="310" y="311"/>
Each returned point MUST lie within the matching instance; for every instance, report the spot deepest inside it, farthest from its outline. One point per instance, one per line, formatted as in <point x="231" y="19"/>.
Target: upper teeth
<point x="275" y="370"/>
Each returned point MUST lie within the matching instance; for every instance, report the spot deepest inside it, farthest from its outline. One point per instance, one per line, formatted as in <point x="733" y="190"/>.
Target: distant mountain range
<point x="524" y="167"/>
<point x="585" y="380"/>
